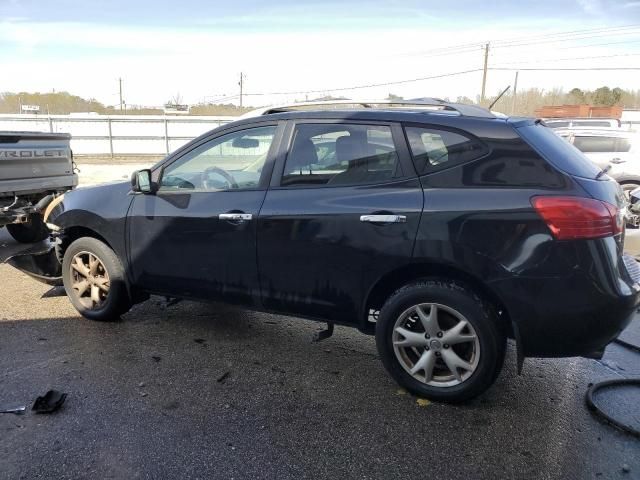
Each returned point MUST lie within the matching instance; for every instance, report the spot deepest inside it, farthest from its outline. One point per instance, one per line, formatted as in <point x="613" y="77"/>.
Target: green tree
<point x="603" y="96"/>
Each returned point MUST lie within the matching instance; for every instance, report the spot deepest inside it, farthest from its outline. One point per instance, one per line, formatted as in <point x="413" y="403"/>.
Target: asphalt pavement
<point x="208" y="391"/>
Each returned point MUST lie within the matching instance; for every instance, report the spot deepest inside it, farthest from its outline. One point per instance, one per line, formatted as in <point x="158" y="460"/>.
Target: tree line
<point x="526" y="102"/>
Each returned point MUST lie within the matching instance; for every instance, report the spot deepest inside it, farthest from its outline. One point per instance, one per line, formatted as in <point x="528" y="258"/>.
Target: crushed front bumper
<point x="39" y="263"/>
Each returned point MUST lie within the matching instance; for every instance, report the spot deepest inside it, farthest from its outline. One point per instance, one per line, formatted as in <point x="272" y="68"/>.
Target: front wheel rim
<point x="436" y="345"/>
<point x="89" y="280"/>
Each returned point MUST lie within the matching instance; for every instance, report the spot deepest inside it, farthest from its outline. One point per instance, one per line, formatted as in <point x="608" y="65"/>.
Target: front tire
<point x="94" y="280"/>
<point x="439" y="340"/>
<point x="32" y="231"/>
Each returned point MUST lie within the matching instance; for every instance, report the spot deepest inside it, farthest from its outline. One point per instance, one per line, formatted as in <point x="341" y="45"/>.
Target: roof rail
<point x="427" y="103"/>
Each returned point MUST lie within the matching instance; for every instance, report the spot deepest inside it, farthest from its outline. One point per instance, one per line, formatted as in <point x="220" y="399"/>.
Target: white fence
<point x="118" y="135"/>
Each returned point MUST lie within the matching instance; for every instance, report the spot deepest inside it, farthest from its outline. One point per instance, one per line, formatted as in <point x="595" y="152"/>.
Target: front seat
<point x="354" y="150"/>
<point x="303" y="153"/>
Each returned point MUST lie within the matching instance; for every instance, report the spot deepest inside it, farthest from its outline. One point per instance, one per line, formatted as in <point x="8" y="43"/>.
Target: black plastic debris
<point x="222" y="378"/>
<point x="49" y="402"/>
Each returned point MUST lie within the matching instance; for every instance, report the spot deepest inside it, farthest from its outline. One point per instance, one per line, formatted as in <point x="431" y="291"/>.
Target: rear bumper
<point x="575" y="306"/>
<point x="28" y="186"/>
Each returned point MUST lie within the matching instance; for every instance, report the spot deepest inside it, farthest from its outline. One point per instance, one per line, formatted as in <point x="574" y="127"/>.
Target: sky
<point x="194" y="50"/>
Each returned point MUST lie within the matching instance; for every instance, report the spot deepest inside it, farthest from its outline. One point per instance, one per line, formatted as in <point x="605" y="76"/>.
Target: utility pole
<point x="515" y="92"/>
<point x="484" y="71"/>
<point x="120" y="85"/>
<point x="241" y="85"/>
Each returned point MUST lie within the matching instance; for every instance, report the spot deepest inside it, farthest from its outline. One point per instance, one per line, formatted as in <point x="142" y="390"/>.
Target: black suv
<point x="441" y="228"/>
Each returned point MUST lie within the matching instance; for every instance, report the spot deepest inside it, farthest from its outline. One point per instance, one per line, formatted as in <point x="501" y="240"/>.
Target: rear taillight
<point x="571" y="218"/>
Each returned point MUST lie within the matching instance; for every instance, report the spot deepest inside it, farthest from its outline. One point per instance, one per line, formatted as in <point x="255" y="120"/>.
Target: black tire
<point x="479" y="314"/>
<point x="117" y="299"/>
<point x="32" y="231"/>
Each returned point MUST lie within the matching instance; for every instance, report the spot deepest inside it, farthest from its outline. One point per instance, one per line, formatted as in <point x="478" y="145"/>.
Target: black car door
<point x="196" y="236"/>
<point x="342" y="210"/>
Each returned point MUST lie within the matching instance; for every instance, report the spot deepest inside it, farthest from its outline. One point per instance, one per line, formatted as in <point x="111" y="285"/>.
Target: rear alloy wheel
<point x="439" y="340"/>
<point x="94" y="280"/>
<point x="436" y="345"/>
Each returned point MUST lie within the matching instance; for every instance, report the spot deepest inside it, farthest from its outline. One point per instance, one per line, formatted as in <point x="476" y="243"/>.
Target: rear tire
<point x="30" y="232"/>
<point x="439" y="340"/>
<point x="94" y="280"/>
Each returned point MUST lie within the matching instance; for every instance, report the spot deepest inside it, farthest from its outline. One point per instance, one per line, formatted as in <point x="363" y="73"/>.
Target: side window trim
<point x="267" y="169"/>
<point x="436" y="168"/>
<point x="402" y="150"/>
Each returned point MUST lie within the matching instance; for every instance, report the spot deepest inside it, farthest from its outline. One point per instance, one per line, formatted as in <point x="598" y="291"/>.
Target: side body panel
<point x="478" y="218"/>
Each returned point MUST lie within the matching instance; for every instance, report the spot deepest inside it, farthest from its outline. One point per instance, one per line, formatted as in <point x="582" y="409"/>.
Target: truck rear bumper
<point x="26" y="186"/>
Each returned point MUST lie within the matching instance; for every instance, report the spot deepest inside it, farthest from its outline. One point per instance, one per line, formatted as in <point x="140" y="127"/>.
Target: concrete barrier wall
<point x="118" y="135"/>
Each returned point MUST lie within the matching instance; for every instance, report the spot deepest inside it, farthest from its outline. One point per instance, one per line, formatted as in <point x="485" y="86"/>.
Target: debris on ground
<point x="156" y="358"/>
<point x="223" y="377"/>
<point x="49" y="402"/>
<point x="199" y="340"/>
<point x="423" y="402"/>
<point x="626" y="468"/>
<point x="17" y="410"/>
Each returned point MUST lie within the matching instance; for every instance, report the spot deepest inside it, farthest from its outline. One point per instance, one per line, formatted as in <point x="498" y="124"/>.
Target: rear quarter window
<point x="435" y="149"/>
<point x="560" y="153"/>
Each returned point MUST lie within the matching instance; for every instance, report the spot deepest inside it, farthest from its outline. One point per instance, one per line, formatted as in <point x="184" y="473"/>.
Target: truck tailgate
<point x="30" y="156"/>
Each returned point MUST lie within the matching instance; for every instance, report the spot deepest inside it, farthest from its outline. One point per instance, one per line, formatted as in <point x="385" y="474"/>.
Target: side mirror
<point x="141" y="181"/>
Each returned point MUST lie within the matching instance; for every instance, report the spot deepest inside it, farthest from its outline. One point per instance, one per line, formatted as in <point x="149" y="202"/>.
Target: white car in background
<point x="615" y="149"/>
<point x="592" y="122"/>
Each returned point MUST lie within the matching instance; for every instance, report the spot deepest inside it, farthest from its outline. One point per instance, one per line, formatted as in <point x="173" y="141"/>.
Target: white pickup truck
<point x="34" y="169"/>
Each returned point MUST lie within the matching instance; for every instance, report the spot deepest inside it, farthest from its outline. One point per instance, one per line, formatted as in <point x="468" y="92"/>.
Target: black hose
<point x="591" y="405"/>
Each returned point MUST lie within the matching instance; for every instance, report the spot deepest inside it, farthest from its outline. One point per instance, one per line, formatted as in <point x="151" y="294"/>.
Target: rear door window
<point x="340" y="154"/>
<point x="434" y="149"/>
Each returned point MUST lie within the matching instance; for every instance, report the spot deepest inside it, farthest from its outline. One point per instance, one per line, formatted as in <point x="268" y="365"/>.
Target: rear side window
<point x="433" y="149"/>
<point x="559" y="152"/>
<point x="340" y="154"/>
<point x="601" y="144"/>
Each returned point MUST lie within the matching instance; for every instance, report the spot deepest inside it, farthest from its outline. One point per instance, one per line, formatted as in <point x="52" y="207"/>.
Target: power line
<point x="528" y="40"/>
<point x="568" y="58"/>
<point x="570" y="33"/>
<point x="552" y="69"/>
<point x="558" y="40"/>
<point x="371" y="85"/>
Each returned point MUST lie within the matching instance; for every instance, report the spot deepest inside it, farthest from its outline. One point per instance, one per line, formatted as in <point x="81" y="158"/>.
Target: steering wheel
<point x="231" y="182"/>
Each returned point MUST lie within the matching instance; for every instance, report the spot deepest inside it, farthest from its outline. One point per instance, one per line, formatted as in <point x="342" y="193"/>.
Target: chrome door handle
<point x="235" y="217"/>
<point x="383" y="218"/>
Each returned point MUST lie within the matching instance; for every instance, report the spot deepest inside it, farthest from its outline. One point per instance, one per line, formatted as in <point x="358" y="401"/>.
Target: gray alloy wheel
<point x="436" y="345"/>
<point x="89" y="280"/>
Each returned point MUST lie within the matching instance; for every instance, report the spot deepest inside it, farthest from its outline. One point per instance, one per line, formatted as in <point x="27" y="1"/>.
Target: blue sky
<point x="197" y="48"/>
<point x="252" y="14"/>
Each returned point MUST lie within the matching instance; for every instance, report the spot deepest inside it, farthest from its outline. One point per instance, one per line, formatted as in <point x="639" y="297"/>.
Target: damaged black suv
<point x="443" y="229"/>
